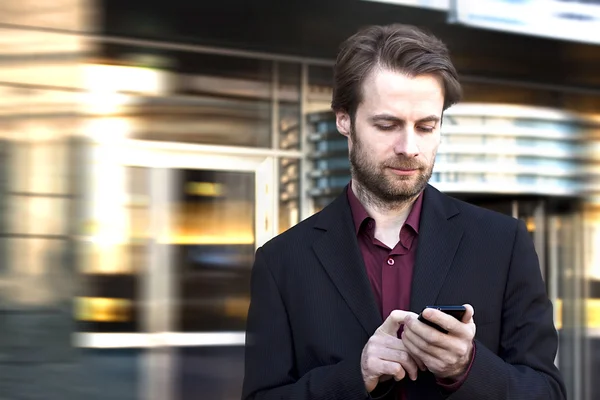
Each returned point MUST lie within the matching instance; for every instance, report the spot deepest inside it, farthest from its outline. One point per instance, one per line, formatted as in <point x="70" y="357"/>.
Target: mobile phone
<point x="456" y="311"/>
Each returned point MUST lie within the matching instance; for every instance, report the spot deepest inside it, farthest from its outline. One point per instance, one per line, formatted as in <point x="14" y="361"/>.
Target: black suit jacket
<point x="312" y="309"/>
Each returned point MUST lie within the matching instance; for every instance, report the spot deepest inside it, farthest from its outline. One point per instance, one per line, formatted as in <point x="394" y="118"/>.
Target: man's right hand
<point x="385" y="356"/>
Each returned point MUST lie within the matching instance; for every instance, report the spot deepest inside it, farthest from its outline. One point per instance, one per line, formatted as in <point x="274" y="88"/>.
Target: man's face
<point x="396" y="133"/>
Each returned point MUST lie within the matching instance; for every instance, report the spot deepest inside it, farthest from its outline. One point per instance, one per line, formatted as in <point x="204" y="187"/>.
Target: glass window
<point x="289" y="105"/>
<point x="320" y="89"/>
<point x="213" y="243"/>
<point x="289" y="193"/>
<point x="39" y="272"/>
<point x="110" y="298"/>
<point x="211" y="99"/>
<point x="32" y="215"/>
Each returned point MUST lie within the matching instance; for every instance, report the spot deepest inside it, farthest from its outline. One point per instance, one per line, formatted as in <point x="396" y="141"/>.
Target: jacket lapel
<point x="439" y="237"/>
<point x="338" y="252"/>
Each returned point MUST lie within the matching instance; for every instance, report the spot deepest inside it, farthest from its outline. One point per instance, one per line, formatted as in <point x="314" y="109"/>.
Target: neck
<point x="387" y="215"/>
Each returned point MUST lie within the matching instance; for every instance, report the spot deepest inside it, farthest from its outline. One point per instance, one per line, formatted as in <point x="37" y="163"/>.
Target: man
<point x="334" y="305"/>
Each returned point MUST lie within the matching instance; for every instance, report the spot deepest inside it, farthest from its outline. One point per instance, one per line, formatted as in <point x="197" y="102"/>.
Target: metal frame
<point x="95" y="38"/>
<point x="159" y="291"/>
<point x="158" y="284"/>
<point x="275" y="136"/>
<point x="306" y="202"/>
<point x="579" y="302"/>
<point x="553" y="271"/>
<point x="158" y="340"/>
<point x="539" y="237"/>
<point x="158" y="288"/>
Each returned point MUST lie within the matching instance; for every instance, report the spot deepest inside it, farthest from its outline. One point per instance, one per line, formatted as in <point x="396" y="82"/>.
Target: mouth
<point x="404" y="171"/>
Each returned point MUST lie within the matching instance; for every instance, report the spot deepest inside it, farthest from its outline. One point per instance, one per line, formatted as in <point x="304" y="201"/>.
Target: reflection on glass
<point x="138" y="203"/>
<point x="320" y="83"/>
<point x="570" y="287"/>
<point x="214" y="208"/>
<point x="213" y="248"/>
<point x="288" y="95"/>
<point x="110" y="298"/>
<point x="215" y="99"/>
<point x="289" y="193"/>
<point x="34" y="215"/>
<point x="39" y="273"/>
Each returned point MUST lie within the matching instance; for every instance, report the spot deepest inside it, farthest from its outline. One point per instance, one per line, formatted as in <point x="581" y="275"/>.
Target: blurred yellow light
<point x="108" y="130"/>
<point x="558" y="314"/>
<point x="593" y="313"/>
<point x="210" y="189"/>
<point x="237" y="307"/>
<point x="530" y="224"/>
<point x="115" y="78"/>
<point x="100" y="309"/>
<point x="209" y="239"/>
<point x="106" y="85"/>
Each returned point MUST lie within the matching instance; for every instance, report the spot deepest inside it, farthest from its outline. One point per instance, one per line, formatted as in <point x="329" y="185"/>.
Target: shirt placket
<point x="390" y="279"/>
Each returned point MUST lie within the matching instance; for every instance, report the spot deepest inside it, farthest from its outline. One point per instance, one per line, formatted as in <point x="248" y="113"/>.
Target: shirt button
<point x="390" y="261"/>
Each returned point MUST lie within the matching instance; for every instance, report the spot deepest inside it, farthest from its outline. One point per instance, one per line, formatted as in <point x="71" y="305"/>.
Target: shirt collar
<point x="359" y="213"/>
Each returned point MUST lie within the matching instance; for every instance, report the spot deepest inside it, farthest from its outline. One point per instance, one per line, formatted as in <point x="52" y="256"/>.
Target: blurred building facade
<point x="148" y="149"/>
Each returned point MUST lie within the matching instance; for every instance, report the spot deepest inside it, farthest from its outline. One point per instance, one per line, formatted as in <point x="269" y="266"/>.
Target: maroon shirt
<point x="390" y="271"/>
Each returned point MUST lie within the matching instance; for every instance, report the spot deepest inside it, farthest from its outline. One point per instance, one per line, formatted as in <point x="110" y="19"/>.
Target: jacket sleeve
<point x="524" y="368"/>
<point x="270" y="369"/>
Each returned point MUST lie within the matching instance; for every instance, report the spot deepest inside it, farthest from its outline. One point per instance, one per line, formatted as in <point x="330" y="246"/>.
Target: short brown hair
<point x="397" y="47"/>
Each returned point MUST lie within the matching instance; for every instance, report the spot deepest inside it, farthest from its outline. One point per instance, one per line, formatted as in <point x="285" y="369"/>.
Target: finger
<point x="389" y="342"/>
<point x="384" y="367"/>
<point x="417" y="353"/>
<point x="392" y="323"/>
<point x="409" y="365"/>
<point x="469" y="314"/>
<point x="399" y="345"/>
<point x="426" y="333"/>
<point x="443" y="320"/>
<point x="412" y="341"/>
<point x="420" y="363"/>
<point x="401" y="357"/>
<point x="400" y="375"/>
<point x="390" y="345"/>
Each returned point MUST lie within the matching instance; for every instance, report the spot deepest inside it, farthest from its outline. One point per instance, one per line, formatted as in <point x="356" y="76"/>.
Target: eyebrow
<point x="391" y="118"/>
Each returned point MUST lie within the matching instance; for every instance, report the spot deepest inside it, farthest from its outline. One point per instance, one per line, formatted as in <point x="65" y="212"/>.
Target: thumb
<point x="469" y="314"/>
<point x="392" y="323"/>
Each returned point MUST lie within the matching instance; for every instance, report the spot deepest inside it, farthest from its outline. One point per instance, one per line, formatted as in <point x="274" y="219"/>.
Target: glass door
<point x="567" y="288"/>
<point x="168" y="276"/>
<point x="210" y="212"/>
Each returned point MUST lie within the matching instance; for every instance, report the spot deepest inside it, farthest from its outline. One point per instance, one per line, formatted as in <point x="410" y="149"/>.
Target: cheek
<point x="429" y="147"/>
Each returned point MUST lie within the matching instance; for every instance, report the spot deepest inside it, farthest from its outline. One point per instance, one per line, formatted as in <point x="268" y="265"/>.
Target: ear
<point x="343" y="123"/>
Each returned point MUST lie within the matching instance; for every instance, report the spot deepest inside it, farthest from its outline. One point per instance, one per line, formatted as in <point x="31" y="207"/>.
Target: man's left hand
<point x="447" y="356"/>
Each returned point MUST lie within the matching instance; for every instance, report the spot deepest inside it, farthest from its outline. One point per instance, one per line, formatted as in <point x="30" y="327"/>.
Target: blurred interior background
<point x="148" y="147"/>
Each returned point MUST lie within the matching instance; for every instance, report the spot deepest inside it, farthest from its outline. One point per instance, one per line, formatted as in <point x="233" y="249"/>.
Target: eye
<point x="385" y="127"/>
<point x="425" y="128"/>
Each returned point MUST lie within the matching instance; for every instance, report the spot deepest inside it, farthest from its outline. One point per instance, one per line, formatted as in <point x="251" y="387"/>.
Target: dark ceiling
<point x="315" y="29"/>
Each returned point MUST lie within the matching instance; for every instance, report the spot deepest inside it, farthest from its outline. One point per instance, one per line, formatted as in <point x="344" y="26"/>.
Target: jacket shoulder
<point x="294" y="236"/>
<point x="477" y="215"/>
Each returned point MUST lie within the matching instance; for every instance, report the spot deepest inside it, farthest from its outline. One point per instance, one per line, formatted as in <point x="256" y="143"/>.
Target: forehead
<point x="394" y="92"/>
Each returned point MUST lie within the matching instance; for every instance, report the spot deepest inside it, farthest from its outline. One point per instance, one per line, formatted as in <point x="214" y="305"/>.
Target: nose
<point x="406" y="144"/>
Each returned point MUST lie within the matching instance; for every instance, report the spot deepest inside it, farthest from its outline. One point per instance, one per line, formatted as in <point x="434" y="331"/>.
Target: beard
<point x="382" y="187"/>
